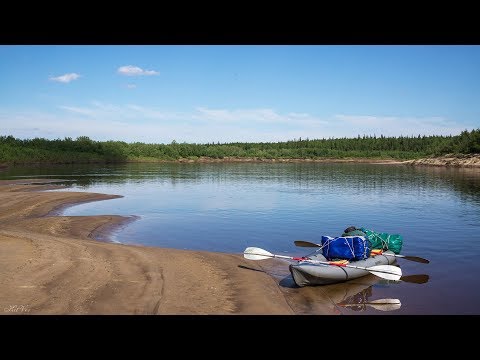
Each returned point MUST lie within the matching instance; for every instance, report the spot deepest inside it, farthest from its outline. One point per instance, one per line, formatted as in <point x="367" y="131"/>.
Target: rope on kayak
<point x="320" y="248"/>
<point x="384" y="242"/>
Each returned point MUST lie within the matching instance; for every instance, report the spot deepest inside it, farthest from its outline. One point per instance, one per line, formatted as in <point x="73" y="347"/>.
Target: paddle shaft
<point x="319" y="262"/>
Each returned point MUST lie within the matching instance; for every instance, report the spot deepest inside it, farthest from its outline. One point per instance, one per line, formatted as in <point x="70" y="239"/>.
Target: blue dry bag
<point x="346" y="247"/>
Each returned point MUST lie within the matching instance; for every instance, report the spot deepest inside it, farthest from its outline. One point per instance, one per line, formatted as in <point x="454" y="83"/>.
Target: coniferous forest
<point x="84" y="150"/>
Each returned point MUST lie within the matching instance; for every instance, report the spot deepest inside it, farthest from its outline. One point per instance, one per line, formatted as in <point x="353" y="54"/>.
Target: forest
<point x="84" y="150"/>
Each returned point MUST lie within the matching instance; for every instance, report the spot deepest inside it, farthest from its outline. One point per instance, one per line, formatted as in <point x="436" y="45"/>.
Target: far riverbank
<point x="449" y="160"/>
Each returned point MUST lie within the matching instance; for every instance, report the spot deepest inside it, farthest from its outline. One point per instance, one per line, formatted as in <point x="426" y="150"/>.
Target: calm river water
<point x="226" y="207"/>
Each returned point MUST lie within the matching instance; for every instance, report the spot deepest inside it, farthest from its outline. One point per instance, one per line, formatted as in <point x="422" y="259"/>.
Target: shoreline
<point x="50" y="264"/>
<point x="449" y="160"/>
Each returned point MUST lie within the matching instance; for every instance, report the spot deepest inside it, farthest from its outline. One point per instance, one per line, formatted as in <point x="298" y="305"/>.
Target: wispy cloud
<point x="78" y="110"/>
<point x="268" y="124"/>
<point x="132" y="122"/>
<point x="265" y="116"/>
<point x="131" y="86"/>
<point x="101" y="110"/>
<point x="130" y="70"/>
<point x="66" y="78"/>
<point x="245" y="118"/>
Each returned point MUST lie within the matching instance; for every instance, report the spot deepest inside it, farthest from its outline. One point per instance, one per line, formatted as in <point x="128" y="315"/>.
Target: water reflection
<point x="304" y="176"/>
<point x="363" y="299"/>
<point x="334" y="299"/>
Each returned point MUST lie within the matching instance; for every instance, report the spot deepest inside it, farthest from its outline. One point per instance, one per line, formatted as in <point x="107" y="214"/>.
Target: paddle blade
<point x="388" y="272"/>
<point x="385" y="304"/>
<point x="302" y="243"/>
<point x="254" y="253"/>
<point x="416" y="259"/>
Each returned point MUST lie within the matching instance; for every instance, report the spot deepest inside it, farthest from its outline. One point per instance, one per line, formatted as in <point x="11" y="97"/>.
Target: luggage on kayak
<point x="353" y="231"/>
<point x="384" y="241"/>
<point x="346" y="247"/>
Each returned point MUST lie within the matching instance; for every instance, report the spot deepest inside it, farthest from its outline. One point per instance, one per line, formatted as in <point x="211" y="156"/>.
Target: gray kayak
<point x="307" y="274"/>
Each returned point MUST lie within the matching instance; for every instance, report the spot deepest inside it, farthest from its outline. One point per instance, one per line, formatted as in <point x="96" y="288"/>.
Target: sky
<point x="237" y="93"/>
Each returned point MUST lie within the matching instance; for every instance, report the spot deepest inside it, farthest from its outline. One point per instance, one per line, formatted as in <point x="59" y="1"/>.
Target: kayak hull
<point x="310" y="274"/>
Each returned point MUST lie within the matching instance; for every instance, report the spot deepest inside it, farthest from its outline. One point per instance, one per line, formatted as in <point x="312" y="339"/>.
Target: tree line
<point x="85" y="150"/>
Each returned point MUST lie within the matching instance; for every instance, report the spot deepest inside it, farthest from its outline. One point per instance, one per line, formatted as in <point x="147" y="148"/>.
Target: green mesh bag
<point x="384" y="241"/>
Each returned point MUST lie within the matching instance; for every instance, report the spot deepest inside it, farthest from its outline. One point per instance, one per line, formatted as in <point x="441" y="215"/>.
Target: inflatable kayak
<point x="306" y="273"/>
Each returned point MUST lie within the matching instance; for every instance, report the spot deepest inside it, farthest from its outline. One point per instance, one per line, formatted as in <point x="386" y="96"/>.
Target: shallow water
<point x="227" y="207"/>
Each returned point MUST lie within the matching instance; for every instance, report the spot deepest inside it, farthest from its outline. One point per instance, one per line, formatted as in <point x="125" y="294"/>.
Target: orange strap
<point x="376" y="251"/>
<point x="339" y="262"/>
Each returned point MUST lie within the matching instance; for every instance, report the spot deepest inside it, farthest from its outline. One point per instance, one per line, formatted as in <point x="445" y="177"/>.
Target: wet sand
<point x="51" y="264"/>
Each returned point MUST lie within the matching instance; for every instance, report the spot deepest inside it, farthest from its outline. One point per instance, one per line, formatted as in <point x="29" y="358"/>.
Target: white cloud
<point x="130" y="70"/>
<point x="131" y="86"/>
<point x="66" y="78"/>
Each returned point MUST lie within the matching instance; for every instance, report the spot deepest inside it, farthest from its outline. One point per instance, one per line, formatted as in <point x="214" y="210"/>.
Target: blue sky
<point x="199" y="93"/>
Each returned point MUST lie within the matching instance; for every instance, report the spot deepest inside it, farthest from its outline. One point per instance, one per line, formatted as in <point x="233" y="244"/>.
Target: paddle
<point x="388" y="272"/>
<point x="380" y="304"/>
<point x="375" y="252"/>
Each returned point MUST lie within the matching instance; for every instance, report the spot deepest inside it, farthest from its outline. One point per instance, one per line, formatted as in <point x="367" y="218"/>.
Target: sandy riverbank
<point x="472" y="160"/>
<point x="448" y="161"/>
<point x="50" y="265"/>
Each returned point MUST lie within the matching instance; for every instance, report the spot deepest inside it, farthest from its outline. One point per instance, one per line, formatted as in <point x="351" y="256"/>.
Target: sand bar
<point x="50" y="264"/>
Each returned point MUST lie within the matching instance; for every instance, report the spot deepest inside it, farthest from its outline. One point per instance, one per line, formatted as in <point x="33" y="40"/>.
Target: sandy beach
<point x="51" y="265"/>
